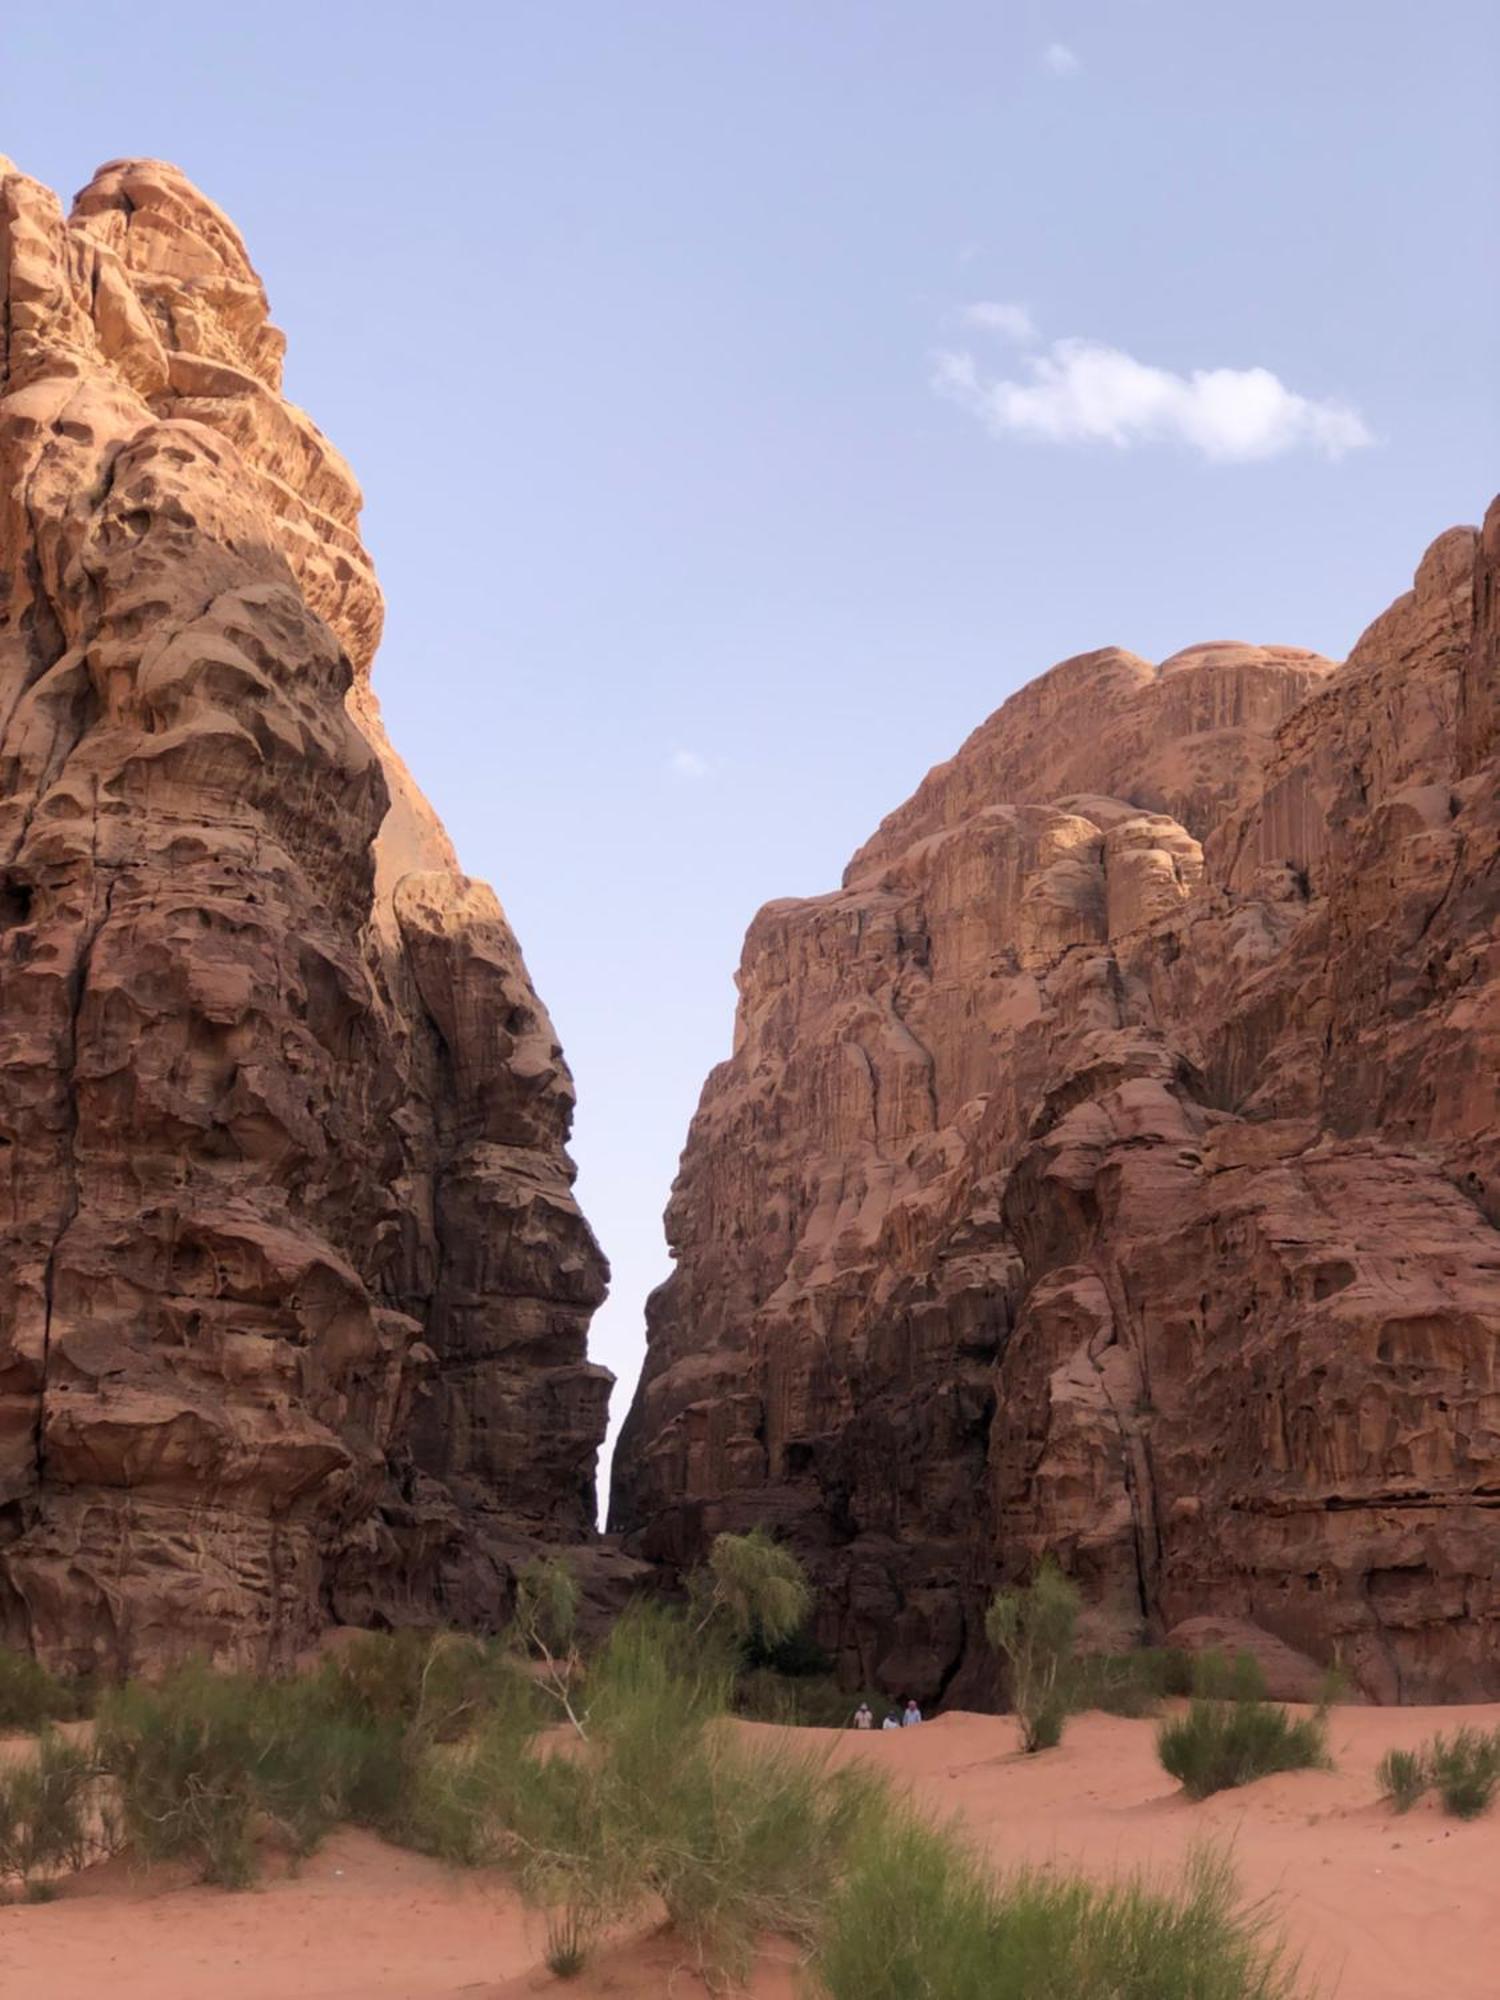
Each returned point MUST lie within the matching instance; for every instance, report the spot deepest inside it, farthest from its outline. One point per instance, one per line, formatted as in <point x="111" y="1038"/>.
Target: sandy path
<point x="361" y="1921"/>
<point x="1383" y="1907"/>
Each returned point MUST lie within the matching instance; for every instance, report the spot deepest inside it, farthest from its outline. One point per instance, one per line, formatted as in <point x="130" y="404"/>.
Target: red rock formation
<point x="1113" y="1166"/>
<point x="295" y="1293"/>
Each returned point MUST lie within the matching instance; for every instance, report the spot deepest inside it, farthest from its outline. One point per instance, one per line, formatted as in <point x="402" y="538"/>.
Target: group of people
<point x="902" y="1716"/>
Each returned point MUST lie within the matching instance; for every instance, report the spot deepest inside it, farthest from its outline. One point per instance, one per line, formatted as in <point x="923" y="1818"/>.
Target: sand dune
<point x="1383" y="1907"/>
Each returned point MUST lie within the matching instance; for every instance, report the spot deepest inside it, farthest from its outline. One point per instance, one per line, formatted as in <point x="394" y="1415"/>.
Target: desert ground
<point x="1381" y="1906"/>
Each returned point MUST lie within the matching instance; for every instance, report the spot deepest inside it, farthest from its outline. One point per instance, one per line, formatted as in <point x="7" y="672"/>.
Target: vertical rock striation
<point x="295" y="1293"/>
<point x="1112" y="1166"/>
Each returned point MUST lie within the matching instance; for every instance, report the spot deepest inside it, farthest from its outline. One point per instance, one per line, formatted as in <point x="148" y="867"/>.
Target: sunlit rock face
<point x="1112" y="1166"/>
<point x="294" y="1293"/>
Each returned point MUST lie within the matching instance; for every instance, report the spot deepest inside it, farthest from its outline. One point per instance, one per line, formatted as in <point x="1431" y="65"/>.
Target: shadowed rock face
<point x="1112" y="1166"/>
<point x="294" y="1292"/>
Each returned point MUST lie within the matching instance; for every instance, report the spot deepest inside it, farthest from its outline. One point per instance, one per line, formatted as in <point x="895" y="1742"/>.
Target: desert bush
<point x="751" y="1843"/>
<point x="915" y="1918"/>
<point x="460" y="1801"/>
<point x="1116" y="1683"/>
<point x="654" y="1681"/>
<point x="1034" y="1629"/>
<point x="438" y="1683"/>
<point x="1465" y="1769"/>
<point x="735" y="1841"/>
<point x="311" y="1768"/>
<point x="910" y="1920"/>
<point x="47" y="1809"/>
<point x="1170" y="1669"/>
<point x="1136" y="1683"/>
<point x="30" y="1696"/>
<point x="756" y="1587"/>
<point x="576" y="1823"/>
<point x="1403" y="1777"/>
<point x="377" y="1676"/>
<point x="547" y="1596"/>
<point x="1218" y="1743"/>
<point x="377" y="1773"/>
<point x="200" y="1756"/>
<point x="547" y="1599"/>
<point x="181" y="1757"/>
<point x="1213" y="1677"/>
<point x="657" y="1801"/>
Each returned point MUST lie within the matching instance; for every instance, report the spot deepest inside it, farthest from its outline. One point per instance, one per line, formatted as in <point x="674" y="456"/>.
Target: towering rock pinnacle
<point x="1112" y="1167"/>
<point x="294" y="1293"/>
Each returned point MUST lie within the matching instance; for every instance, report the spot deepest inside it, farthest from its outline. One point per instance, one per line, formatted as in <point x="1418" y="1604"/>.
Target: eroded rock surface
<point x="1112" y="1166"/>
<point x="294" y="1294"/>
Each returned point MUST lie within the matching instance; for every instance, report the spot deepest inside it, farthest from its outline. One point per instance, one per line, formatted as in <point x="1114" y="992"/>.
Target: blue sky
<point x="709" y="510"/>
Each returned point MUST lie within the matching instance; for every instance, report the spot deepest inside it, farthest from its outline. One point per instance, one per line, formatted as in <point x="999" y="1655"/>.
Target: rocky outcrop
<point x="1112" y="1166"/>
<point x="294" y="1296"/>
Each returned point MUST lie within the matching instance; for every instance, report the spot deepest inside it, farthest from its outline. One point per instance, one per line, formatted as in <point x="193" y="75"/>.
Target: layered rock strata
<point x="1112" y="1166"/>
<point x="294" y="1292"/>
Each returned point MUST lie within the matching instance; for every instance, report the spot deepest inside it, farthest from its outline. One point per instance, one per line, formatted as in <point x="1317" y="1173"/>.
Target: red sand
<point x="1383" y="1907"/>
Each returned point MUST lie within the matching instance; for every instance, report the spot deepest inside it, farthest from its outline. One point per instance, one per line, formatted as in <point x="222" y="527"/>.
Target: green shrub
<point x="751" y="1844"/>
<point x="47" y="1807"/>
<point x="547" y="1597"/>
<point x="460" y="1801"/>
<point x="1218" y="1744"/>
<point x="1465" y="1769"/>
<point x="1403" y="1777"/>
<point x="1136" y="1683"/>
<point x="1034" y="1629"/>
<point x="1215" y="1678"/>
<point x="1116" y="1683"/>
<point x="378" y="1676"/>
<point x="1170" y="1669"/>
<point x="30" y="1696"/>
<point x="377" y="1775"/>
<point x="735" y="1841"/>
<point x="439" y="1683"/>
<point x="915" y="1918"/>
<point x="657" y="1801"/>
<point x="199" y="1757"/>
<point x="755" y="1587"/>
<point x="181" y="1756"/>
<point x="575" y="1822"/>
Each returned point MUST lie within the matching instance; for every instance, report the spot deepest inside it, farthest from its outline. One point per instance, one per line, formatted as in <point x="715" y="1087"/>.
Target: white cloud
<point x="1060" y="59"/>
<point x="1081" y="392"/>
<point x="1014" y="322"/>
<point x="688" y="764"/>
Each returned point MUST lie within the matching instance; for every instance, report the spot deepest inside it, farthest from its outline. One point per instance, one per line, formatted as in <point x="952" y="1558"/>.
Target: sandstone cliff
<point x="294" y="1293"/>
<point x="1112" y="1166"/>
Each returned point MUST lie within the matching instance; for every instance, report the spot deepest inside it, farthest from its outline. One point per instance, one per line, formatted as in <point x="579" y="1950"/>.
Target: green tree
<point x="547" y="1594"/>
<point x="755" y="1587"/>
<point x="1035" y="1628"/>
